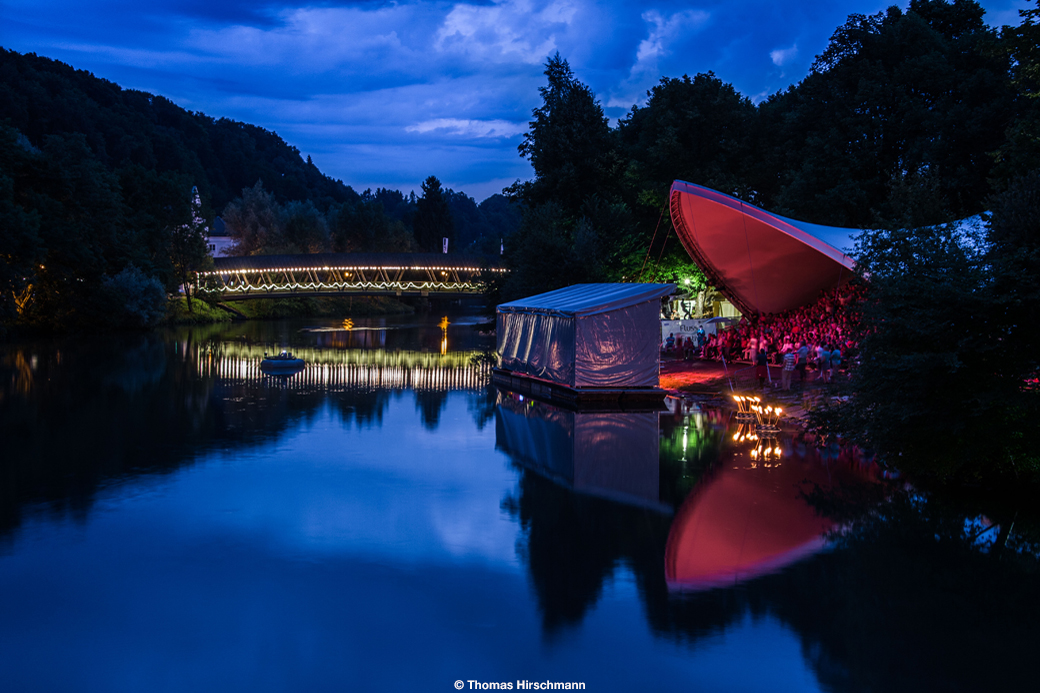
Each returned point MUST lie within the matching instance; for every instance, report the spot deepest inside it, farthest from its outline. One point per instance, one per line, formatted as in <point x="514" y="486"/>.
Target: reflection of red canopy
<point x="745" y="522"/>
<point x="762" y="262"/>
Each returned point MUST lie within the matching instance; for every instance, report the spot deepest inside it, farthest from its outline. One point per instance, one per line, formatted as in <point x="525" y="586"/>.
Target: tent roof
<point x="588" y="299"/>
<point x="762" y="262"/>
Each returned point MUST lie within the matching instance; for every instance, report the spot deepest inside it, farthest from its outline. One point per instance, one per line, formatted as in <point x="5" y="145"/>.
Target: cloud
<point x="783" y="55"/>
<point x="507" y="30"/>
<point x="310" y="38"/>
<point x="663" y="32"/>
<point x="470" y="128"/>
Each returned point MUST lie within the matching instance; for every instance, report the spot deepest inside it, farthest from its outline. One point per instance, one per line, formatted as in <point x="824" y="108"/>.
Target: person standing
<point x="785" y="375"/>
<point x="761" y="367"/>
<point x="803" y="361"/>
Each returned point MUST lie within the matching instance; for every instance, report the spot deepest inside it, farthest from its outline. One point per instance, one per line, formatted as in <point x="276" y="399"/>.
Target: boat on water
<point x="283" y="363"/>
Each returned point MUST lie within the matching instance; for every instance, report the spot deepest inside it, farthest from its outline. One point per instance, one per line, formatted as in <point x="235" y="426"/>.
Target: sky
<point x="384" y="94"/>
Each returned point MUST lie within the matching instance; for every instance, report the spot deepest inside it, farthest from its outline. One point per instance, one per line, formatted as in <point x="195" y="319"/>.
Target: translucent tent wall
<point x="586" y="335"/>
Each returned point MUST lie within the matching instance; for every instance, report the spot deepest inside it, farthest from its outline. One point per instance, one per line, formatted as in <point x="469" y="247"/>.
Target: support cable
<point x="650" y="247"/>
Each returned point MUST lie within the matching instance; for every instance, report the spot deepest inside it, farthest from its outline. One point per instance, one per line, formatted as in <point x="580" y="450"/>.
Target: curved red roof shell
<point x="761" y="262"/>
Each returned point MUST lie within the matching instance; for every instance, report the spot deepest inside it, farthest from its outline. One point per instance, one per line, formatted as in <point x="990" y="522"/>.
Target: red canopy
<point x="762" y="262"/>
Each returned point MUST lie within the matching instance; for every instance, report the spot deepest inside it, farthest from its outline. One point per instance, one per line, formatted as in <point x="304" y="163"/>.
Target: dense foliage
<point x="907" y="118"/>
<point x="96" y="193"/>
<point x="125" y="128"/>
<point x="947" y="380"/>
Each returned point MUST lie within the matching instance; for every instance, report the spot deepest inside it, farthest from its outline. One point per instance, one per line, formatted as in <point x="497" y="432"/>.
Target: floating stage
<point x="587" y="345"/>
<point x="585" y="398"/>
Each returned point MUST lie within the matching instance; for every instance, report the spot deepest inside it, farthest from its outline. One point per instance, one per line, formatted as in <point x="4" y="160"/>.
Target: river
<point x="171" y="519"/>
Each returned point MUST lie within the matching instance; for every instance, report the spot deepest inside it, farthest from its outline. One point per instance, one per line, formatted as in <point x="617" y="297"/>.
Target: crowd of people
<point x="821" y="336"/>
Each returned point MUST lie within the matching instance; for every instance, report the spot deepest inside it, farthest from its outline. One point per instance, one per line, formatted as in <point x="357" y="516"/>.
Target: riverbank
<point x="202" y="312"/>
<point x="710" y="379"/>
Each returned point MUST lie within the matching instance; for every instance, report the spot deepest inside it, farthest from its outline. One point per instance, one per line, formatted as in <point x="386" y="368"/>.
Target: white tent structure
<point x="585" y="336"/>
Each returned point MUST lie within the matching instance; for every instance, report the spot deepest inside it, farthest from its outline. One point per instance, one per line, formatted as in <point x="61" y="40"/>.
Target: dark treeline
<point x="380" y="221"/>
<point x="907" y="118"/>
<point x="97" y="217"/>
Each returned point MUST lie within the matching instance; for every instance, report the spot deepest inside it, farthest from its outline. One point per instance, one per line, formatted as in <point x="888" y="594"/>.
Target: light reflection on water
<point x="170" y="521"/>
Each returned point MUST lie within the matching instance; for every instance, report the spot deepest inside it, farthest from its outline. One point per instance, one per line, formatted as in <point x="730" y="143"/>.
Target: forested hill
<point x="127" y="128"/>
<point x="98" y="221"/>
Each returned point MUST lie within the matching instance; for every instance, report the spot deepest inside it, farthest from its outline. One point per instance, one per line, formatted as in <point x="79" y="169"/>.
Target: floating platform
<point x="620" y="398"/>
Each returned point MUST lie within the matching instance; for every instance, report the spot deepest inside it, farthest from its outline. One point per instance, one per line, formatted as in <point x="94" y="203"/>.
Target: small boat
<point x="282" y="364"/>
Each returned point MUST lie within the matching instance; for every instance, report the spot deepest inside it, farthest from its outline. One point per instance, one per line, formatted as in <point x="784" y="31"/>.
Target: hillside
<point x="122" y="127"/>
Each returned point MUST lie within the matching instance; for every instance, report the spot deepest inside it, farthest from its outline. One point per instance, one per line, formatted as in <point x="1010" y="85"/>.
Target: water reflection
<point x="751" y="516"/>
<point x="608" y="454"/>
<point x="76" y="415"/>
<point x="328" y="511"/>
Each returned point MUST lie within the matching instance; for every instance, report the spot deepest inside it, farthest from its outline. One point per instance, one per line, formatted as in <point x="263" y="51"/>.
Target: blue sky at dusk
<point x="383" y="94"/>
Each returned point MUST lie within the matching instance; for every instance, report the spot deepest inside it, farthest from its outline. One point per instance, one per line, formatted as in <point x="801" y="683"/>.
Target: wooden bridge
<point x="345" y="274"/>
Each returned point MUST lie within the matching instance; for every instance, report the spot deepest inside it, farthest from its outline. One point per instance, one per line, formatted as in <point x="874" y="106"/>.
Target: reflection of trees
<point x="690" y="444"/>
<point x="910" y="599"/>
<point x="573" y="543"/>
<point x="482" y="405"/>
<point x="75" y="415"/>
<point x="365" y="408"/>
<point x="91" y="411"/>
<point x="430" y="404"/>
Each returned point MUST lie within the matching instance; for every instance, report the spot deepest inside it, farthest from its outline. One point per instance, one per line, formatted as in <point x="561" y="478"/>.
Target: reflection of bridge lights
<point x="442" y="270"/>
<point x="443" y="324"/>
<point x="385" y="371"/>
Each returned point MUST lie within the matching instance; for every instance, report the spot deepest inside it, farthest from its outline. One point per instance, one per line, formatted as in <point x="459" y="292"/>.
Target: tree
<point x="305" y="229"/>
<point x="542" y="256"/>
<point x="188" y="250"/>
<point x="567" y="143"/>
<point x="433" y="218"/>
<point x="923" y="93"/>
<point x="1013" y="256"/>
<point x="936" y="390"/>
<point x="699" y="130"/>
<point x="255" y="221"/>
<point x="1020" y="154"/>
<point x="21" y="248"/>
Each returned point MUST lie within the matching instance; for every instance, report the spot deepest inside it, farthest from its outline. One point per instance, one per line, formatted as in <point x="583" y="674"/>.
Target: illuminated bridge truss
<point x="351" y="369"/>
<point x="368" y="274"/>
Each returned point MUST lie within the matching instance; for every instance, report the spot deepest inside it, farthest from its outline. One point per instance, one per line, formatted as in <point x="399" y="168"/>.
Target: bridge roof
<point x="354" y="261"/>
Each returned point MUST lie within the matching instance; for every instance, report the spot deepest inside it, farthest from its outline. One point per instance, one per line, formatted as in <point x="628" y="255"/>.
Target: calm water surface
<point x="171" y="519"/>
